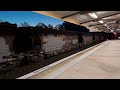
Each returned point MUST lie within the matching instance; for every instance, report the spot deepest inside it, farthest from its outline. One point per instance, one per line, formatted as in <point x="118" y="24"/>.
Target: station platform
<point x="101" y="61"/>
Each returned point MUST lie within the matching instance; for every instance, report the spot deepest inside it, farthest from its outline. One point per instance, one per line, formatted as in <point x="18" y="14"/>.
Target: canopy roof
<point x="93" y="20"/>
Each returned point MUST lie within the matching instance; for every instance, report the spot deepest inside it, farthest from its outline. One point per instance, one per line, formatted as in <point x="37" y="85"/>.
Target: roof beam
<point x="112" y="25"/>
<point x="104" y="23"/>
<point x="101" y="18"/>
<point x="100" y="24"/>
<point x="95" y="25"/>
<point x="111" y="19"/>
<point x="80" y="12"/>
<point x="100" y="27"/>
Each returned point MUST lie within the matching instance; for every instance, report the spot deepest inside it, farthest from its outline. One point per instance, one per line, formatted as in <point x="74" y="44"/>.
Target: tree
<point x="59" y="27"/>
<point x="41" y="25"/>
<point x="24" y="24"/>
<point x="50" y="26"/>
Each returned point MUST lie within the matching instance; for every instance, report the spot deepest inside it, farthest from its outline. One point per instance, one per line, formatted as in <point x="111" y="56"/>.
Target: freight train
<point x="33" y="44"/>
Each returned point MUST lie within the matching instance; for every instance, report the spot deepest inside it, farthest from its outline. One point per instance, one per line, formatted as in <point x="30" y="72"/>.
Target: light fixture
<point x="105" y="24"/>
<point x="111" y="30"/>
<point x="93" y="15"/>
<point x="100" y="21"/>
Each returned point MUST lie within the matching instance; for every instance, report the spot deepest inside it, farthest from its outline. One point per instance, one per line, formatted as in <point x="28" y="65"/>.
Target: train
<point x="34" y="44"/>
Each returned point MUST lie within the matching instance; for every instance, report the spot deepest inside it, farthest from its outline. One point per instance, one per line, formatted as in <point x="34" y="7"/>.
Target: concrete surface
<point x="103" y="62"/>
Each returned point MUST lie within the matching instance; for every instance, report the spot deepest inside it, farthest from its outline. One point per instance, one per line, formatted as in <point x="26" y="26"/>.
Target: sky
<point x="30" y="17"/>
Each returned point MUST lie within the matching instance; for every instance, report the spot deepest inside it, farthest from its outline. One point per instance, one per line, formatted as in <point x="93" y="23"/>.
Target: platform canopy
<point x="107" y="21"/>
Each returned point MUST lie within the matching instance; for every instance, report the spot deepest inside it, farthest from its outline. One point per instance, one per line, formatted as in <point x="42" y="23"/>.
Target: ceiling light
<point x="93" y="15"/>
<point x="100" y="21"/>
<point x="111" y="30"/>
<point x="105" y="24"/>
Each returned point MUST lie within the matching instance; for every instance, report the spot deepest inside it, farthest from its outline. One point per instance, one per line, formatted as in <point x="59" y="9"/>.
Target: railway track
<point x="25" y="69"/>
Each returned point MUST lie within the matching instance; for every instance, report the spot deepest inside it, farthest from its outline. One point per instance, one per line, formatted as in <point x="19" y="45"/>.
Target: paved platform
<point x="101" y="62"/>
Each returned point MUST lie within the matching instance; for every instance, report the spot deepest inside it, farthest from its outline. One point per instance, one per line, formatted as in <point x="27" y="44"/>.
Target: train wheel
<point x="10" y="66"/>
<point x="48" y="55"/>
<point x="72" y="48"/>
<point x="63" y="50"/>
<point x="3" y="67"/>
<point x="17" y="62"/>
<point x="55" y="53"/>
<point x="45" y="56"/>
<point x="60" y="51"/>
<point x="35" y="59"/>
<point x="41" y="58"/>
<point x="13" y="64"/>
<point x="21" y="56"/>
<point x="66" y="50"/>
<point x="69" y="49"/>
<point x="52" y="54"/>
